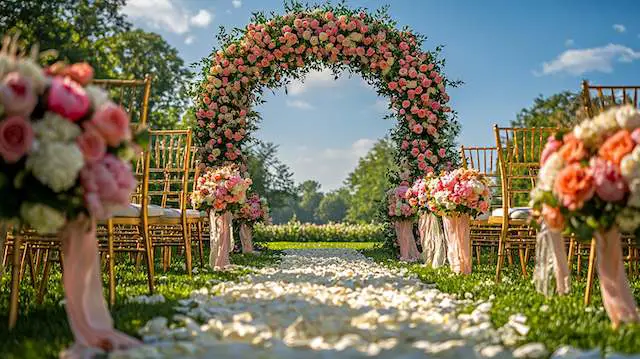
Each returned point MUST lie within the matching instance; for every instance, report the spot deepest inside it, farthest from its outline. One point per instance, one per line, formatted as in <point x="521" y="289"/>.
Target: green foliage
<point x="332" y="232"/>
<point x="558" y="110"/>
<point x="333" y="206"/>
<point x="555" y="321"/>
<point x="310" y="197"/>
<point x="368" y="182"/>
<point x="316" y="245"/>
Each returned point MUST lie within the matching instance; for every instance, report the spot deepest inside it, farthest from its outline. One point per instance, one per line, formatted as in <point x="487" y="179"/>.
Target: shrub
<point x="332" y="232"/>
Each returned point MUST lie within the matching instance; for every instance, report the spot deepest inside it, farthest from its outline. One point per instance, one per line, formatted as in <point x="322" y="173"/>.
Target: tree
<point x="271" y="178"/>
<point x="368" y="182"/>
<point x="333" y="206"/>
<point x="310" y="197"/>
<point x="558" y="110"/>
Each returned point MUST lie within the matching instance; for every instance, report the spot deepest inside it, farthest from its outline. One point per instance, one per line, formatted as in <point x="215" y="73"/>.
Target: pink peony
<point x="112" y="122"/>
<point x="610" y="185"/>
<point x="17" y="95"/>
<point x="92" y="145"/>
<point x="109" y="180"/>
<point x="68" y="99"/>
<point x="16" y="138"/>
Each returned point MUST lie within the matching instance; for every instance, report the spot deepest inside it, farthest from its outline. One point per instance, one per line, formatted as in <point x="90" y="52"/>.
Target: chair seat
<point x="175" y="213"/>
<point x="514" y="213"/>
<point x="133" y="210"/>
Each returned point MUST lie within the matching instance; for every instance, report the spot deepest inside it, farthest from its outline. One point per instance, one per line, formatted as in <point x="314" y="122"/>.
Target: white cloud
<point x="303" y="105"/>
<point x="329" y="166"/>
<point x="314" y="79"/>
<point x="202" y="18"/>
<point x="236" y="3"/>
<point x="166" y="14"/>
<point x="569" y="43"/>
<point x="381" y="105"/>
<point x="619" y="28"/>
<point x="189" y="40"/>
<point x="580" y="61"/>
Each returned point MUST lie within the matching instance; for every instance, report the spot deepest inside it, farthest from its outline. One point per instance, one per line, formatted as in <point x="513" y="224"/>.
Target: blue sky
<point x="506" y="52"/>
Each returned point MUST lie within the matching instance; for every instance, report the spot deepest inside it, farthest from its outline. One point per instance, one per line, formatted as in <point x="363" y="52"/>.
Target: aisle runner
<point x="325" y="303"/>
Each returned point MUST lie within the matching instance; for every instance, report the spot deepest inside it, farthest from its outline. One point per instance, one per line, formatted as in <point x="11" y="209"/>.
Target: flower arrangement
<point x="220" y="190"/>
<point x="399" y="202"/>
<point x="254" y="210"/>
<point x="461" y="191"/>
<point x="271" y="50"/>
<point x="589" y="178"/>
<point x="419" y="193"/>
<point x="65" y="149"/>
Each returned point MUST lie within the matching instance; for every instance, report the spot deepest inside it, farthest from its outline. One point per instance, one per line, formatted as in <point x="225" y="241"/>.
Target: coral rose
<point x="92" y="145"/>
<point x="572" y="150"/>
<point x="81" y="73"/>
<point x="616" y="147"/>
<point x="112" y="122"/>
<point x="574" y="185"/>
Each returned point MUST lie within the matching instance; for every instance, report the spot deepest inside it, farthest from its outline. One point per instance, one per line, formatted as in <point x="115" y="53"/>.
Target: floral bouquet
<point x="400" y="208"/>
<point x="459" y="195"/>
<point x="253" y="211"/>
<point x="429" y="227"/>
<point x="65" y="160"/>
<point x="220" y="191"/>
<point x="589" y="185"/>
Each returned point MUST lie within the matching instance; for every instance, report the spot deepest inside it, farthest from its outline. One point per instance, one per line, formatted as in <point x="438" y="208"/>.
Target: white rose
<point x="54" y="128"/>
<point x="56" y="164"/>
<point x="628" y="117"/>
<point x="97" y="95"/>
<point x="28" y="68"/>
<point x="42" y="218"/>
<point x="630" y="165"/>
<point x="549" y="171"/>
<point x="606" y="122"/>
<point x="628" y="220"/>
<point x="586" y="132"/>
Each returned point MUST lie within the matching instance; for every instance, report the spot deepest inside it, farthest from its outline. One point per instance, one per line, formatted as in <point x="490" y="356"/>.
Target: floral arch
<point x="269" y="52"/>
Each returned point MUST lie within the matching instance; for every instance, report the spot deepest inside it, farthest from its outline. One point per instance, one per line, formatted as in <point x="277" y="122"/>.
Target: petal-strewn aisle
<point x="327" y="303"/>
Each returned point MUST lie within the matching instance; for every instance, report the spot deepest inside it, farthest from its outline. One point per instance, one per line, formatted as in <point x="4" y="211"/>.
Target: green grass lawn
<point x="42" y="331"/>
<point x="554" y="321"/>
<point x="306" y="245"/>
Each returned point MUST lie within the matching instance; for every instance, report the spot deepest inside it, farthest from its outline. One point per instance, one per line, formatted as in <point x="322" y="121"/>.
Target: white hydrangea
<point x="97" y="95"/>
<point x="56" y="164"/>
<point x="42" y="218"/>
<point x="628" y="117"/>
<point x="29" y="69"/>
<point x="628" y="219"/>
<point x="549" y="171"/>
<point x="54" y="128"/>
<point x="630" y="165"/>
<point x="586" y="132"/>
<point x="606" y="122"/>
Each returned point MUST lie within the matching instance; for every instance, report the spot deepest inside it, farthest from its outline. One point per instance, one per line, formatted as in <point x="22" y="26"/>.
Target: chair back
<point x="519" y="151"/>
<point x="597" y="98"/>
<point x="167" y="165"/>
<point x="132" y="95"/>
<point x="485" y="161"/>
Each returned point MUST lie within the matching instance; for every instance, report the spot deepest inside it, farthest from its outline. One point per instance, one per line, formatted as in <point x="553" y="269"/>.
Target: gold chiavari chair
<point x="168" y="178"/>
<point x="485" y="233"/>
<point x="37" y="251"/>
<point x="196" y="224"/>
<point x="519" y="151"/>
<point x="596" y="99"/>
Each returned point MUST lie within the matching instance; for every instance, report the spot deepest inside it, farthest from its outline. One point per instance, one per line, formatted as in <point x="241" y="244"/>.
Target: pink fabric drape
<point x="246" y="238"/>
<point x="224" y="241"/>
<point x="551" y="255"/>
<point x="457" y="232"/>
<point x="616" y="294"/>
<point x="89" y="319"/>
<point x="434" y="248"/>
<point x="406" y="241"/>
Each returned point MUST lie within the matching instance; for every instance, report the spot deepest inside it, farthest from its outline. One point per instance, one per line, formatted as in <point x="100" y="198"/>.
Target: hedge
<point x="332" y="232"/>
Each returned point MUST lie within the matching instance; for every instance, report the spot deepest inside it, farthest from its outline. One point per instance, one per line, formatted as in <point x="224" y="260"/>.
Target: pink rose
<point x="94" y="206"/>
<point x="16" y="138"/>
<point x="68" y="99"/>
<point x="552" y="146"/>
<point x="112" y="122"/>
<point x="610" y="185"/>
<point x="92" y="145"/>
<point x="17" y="95"/>
<point x="111" y="180"/>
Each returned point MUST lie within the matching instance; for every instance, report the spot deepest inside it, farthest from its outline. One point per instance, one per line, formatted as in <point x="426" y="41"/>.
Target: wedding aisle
<point x="329" y="303"/>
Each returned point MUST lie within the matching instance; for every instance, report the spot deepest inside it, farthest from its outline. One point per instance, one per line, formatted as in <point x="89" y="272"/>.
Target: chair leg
<point x="579" y="263"/>
<point x="478" y="251"/>
<point x="23" y="260"/>
<point x="149" y="254"/>
<point x="200" y="243"/>
<point x="42" y="290"/>
<point x="15" y="282"/>
<point x="186" y="236"/>
<point x="111" y="263"/>
<point x="572" y="248"/>
<point x="501" y="251"/>
<point x="590" y="272"/>
<point x="32" y="268"/>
